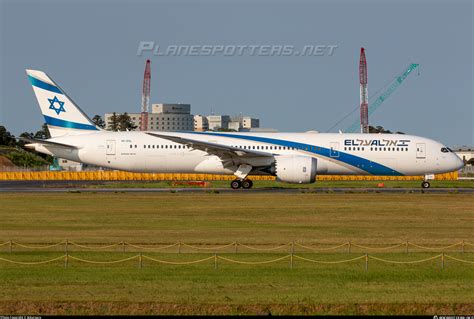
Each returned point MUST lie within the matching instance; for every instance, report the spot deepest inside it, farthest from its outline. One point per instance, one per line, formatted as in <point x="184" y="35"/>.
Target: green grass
<point x="429" y="219"/>
<point x="273" y="184"/>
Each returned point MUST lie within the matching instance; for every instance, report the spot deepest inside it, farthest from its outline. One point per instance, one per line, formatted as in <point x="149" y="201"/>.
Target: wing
<point x="47" y="143"/>
<point x="228" y="154"/>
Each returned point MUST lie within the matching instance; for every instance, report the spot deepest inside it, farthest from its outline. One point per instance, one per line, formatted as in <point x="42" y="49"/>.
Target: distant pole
<point x="366" y="262"/>
<point x="364" y="100"/>
<point x="145" y="97"/>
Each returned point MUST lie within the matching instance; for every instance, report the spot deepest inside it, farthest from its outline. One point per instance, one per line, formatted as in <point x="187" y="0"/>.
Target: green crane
<point x="375" y="104"/>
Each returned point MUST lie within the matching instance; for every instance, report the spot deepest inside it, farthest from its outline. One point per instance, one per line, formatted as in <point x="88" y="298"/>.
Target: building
<point x="235" y="126"/>
<point x="201" y="123"/>
<point x="248" y="122"/>
<point x="178" y="117"/>
<point x="163" y="117"/>
<point x="466" y="153"/>
<point x="217" y="122"/>
<point x="243" y="123"/>
<point x="171" y="108"/>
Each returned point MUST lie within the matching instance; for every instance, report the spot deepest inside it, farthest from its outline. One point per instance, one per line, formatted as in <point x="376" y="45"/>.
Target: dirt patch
<point x="125" y="308"/>
<point x="5" y="162"/>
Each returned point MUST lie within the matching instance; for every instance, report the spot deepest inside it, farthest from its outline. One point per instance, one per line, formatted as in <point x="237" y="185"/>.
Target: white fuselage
<point x="345" y="154"/>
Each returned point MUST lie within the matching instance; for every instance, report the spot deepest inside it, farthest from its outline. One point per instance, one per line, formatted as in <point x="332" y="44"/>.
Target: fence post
<point x="66" y="262"/>
<point x="123" y="246"/>
<point x="236" y="247"/>
<point x="349" y="246"/>
<point x="291" y="261"/>
<point x="366" y="262"/>
<point x="140" y="263"/>
<point x="10" y="246"/>
<point x="179" y="247"/>
<point x="406" y="247"/>
<point x="215" y="261"/>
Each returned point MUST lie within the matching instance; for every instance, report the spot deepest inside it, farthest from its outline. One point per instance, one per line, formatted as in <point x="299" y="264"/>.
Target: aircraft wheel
<point x="247" y="184"/>
<point x="425" y="184"/>
<point x="236" y="184"/>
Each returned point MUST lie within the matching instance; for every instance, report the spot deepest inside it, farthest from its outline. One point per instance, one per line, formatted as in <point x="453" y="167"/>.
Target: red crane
<point x="364" y="103"/>
<point x="145" y="97"/>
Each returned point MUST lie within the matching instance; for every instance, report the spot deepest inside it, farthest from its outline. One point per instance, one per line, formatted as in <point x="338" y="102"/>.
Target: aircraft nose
<point x="458" y="162"/>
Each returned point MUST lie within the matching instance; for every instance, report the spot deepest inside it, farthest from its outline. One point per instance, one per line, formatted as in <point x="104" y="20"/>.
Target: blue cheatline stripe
<point x="67" y="124"/>
<point x="43" y="85"/>
<point x="356" y="161"/>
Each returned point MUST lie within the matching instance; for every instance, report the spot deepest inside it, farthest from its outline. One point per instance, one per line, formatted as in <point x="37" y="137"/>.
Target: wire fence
<point x="15" y="174"/>
<point x="66" y="258"/>
<point x="291" y="247"/>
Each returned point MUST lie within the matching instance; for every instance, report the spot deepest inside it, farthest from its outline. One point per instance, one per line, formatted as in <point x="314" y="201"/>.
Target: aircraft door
<point x="420" y="150"/>
<point x="110" y="148"/>
<point x="110" y="151"/>
<point x="334" y="151"/>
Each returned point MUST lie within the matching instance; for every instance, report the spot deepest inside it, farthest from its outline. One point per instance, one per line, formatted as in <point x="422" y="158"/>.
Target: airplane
<point x="291" y="157"/>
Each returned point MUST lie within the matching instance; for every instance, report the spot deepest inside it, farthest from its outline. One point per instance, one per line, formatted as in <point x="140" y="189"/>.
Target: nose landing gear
<point x="245" y="184"/>
<point x="425" y="184"/>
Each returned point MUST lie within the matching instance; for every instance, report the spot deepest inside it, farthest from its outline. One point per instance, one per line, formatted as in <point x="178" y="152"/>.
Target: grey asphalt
<point x="81" y="186"/>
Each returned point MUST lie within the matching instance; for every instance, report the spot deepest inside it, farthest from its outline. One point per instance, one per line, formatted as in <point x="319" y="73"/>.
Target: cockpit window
<point x="450" y="150"/>
<point x="445" y="150"/>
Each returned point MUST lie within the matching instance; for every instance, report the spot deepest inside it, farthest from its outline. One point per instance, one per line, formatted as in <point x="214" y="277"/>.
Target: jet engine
<point x="295" y="169"/>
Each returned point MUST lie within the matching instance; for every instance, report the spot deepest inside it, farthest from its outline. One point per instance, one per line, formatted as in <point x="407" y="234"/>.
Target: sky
<point x="90" y="49"/>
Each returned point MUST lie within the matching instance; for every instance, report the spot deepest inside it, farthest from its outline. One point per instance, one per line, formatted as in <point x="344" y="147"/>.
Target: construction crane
<point x="385" y="95"/>
<point x="364" y="113"/>
<point x="145" y="97"/>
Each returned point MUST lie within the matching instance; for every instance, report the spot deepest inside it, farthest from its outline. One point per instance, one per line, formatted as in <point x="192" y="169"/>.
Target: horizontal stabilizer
<point x="47" y="143"/>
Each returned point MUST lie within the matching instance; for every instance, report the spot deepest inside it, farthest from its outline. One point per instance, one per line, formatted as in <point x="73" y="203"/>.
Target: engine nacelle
<point x="296" y="169"/>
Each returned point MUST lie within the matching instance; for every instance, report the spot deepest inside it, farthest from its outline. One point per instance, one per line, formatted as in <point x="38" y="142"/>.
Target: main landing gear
<point x="245" y="184"/>
<point x="425" y="184"/>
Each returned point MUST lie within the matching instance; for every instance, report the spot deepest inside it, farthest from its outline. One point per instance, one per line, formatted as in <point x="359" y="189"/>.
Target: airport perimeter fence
<point x="127" y="176"/>
<point x="223" y="256"/>
<point x="236" y="247"/>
